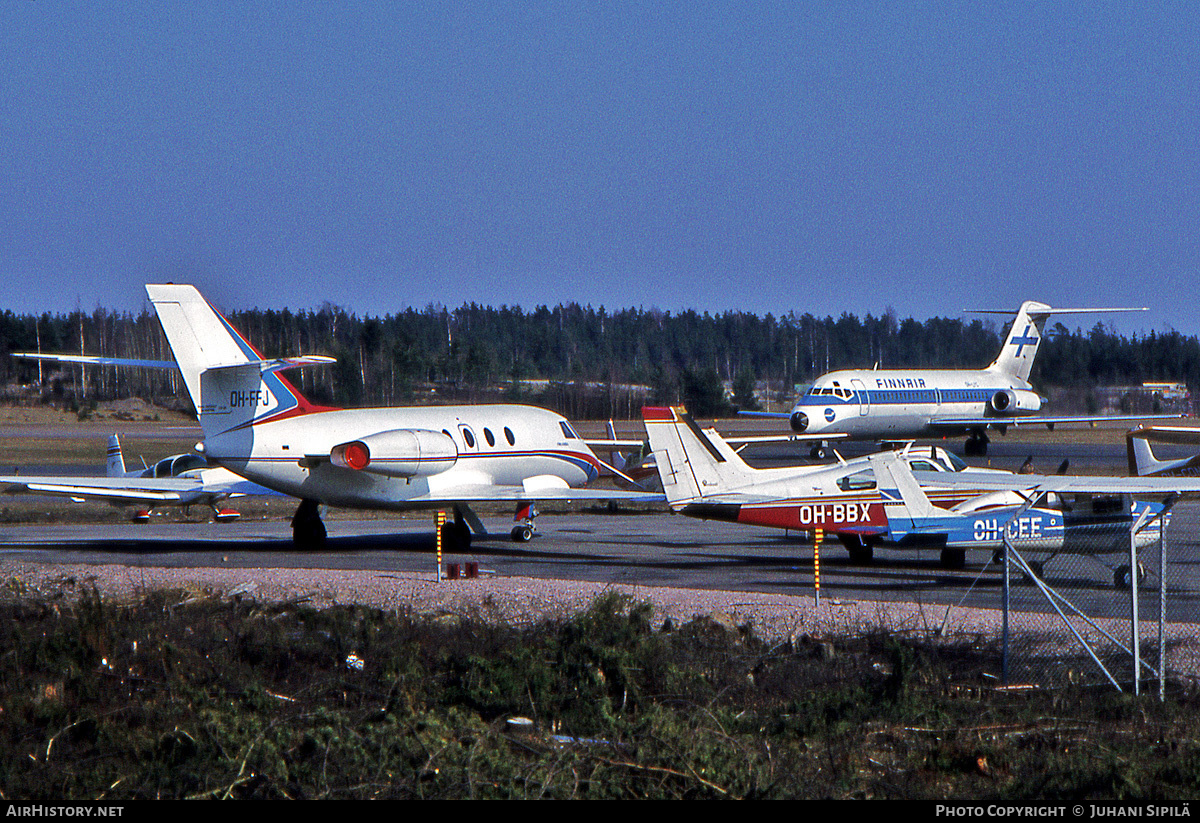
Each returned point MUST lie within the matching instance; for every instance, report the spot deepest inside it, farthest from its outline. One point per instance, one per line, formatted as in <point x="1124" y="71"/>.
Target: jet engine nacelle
<point x="1012" y="401"/>
<point x="398" y="453"/>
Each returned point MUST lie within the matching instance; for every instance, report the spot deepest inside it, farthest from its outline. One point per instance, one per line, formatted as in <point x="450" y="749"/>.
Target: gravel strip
<point x="525" y="601"/>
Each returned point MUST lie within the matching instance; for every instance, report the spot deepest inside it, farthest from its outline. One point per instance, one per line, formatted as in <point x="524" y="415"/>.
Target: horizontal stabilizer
<point x="1041" y="309"/>
<point x="89" y="360"/>
<point x="278" y="363"/>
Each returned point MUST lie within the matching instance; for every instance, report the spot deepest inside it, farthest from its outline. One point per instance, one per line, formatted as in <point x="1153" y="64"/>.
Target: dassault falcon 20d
<point x="259" y="426"/>
<point x="903" y="404"/>
<point x="888" y="499"/>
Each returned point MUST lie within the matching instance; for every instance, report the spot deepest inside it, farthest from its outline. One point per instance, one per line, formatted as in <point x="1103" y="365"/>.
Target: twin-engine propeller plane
<point x="259" y="426"/>
<point x="889" y="499"/>
<point x="178" y="480"/>
<point x="903" y="404"/>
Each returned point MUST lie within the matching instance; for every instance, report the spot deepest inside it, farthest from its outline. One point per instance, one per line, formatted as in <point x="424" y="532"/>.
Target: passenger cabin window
<point x="858" y="481"/>
<point x="489" y="437"/>
<point x="468" y="437"/>
<point x="508" y="435"/>
<point x="923" y="466"/>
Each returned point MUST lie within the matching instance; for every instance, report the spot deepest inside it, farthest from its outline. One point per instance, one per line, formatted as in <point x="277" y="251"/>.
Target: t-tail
<point x="230" y="384"/>
<point x="1025" y="336"/>
<point x="1023" y="340"/>
<point x="692" y="464"/>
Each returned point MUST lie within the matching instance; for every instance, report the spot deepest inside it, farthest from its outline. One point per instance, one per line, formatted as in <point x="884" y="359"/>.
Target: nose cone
<point x="799" y="421"/>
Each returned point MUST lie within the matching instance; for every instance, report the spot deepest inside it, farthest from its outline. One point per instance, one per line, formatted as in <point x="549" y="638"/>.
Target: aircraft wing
<point x="1176" y="435"/>
<point x="131" y="490"/>
<point x="753" y="440"/>
<point x="957" y="423"/>
<point x="986" y="482"/>
<point x="508" y="494"/>
<point x="614" y="444"/>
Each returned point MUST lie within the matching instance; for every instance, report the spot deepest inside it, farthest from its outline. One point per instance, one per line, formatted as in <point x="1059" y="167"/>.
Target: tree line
<point x="582" y="361"/>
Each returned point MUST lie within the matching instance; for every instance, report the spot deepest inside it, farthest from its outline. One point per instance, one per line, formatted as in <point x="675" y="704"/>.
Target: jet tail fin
<point x="1025" y="336"/>
<point x="230" y="384"/>
<point x="692" y="464"/>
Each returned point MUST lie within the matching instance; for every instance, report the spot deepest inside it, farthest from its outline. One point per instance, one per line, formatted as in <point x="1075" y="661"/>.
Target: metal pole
<point x="818" y="536"/>
<point x="1007" y="604"/>
<point x="1162" y="604"/>
<point x="441" y="521"/>
<point x="1135" y="629"/>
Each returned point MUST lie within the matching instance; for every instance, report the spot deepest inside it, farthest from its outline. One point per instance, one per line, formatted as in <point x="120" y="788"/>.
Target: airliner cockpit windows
<point x="567" y="430"/>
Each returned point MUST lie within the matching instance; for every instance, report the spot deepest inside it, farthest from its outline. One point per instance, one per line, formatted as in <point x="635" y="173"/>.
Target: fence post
<point x="1006" y="604"/>
<point x="1135" y="627"/>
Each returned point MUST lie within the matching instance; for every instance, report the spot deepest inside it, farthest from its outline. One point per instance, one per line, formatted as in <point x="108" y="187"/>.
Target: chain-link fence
<point x="1083" y="602"/>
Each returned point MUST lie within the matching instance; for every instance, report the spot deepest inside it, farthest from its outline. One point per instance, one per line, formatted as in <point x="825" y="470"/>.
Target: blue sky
<point x="768" y="157"/>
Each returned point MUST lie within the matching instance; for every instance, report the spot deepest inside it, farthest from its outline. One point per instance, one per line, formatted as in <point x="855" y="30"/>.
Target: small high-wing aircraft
<point x="1142" y="461"/>
<point x="891" y="499"/>
<point x="178" y="480"/>
<point x="903" y="404"/>
<point x="259" y="426"/>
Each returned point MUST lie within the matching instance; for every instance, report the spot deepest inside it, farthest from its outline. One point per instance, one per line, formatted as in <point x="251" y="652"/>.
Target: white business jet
<point x="902" y="404"/>
<point x="259" y="426"/>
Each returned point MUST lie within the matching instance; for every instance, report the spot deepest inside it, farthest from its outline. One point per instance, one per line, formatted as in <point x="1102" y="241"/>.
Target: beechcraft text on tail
<point x="259" y="426"/>
<point x="902" y="404"/>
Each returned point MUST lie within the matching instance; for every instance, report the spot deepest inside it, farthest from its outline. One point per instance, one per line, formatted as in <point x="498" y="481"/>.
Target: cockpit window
<point x="567" y="430"/>
<point x="858" y="481"/>
<point x="954" y="462"/>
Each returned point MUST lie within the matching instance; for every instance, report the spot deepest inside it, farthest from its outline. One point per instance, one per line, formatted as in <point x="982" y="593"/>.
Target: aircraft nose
<point x="799" y="422"/>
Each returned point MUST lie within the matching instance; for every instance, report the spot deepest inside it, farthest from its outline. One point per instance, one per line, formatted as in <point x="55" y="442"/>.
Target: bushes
<point x="185" y="696"/>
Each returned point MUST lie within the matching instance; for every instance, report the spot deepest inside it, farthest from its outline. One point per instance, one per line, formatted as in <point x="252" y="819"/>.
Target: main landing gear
<point x="456" y="534"/>
<point x="308" y="530"/>
<point x="523" y="531"/>
<point x="976" y="445"/>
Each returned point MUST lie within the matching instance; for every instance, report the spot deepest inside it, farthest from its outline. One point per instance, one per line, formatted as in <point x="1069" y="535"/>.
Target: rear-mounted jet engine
<point x="398" y="453"/>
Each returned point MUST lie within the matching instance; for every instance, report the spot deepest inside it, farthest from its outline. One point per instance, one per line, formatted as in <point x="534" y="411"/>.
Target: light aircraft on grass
<point x="903" y="404"/>
<point x="259" y="426"/>
<point x="178" y="480"/>
<point x="882" y="500"/>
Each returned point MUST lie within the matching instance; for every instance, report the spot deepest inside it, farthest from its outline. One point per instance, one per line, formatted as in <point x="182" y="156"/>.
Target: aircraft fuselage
<point x="909" y="403"/>
<point x="493" y="445"/>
